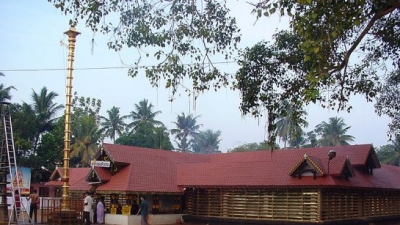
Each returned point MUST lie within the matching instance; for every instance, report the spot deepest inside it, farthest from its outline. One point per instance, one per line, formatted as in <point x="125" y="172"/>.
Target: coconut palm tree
<point x="306" y="140"/>
<point x="183" y="144"/>
<point x="113" y="124"/>
<point x="186" y="128"/>
<point x="85" y="137"/>
<point x="290" y="123"/>
<point x="299" y="141"/>
<point x="334" y="132"/>
<point x="207" y="142"/>
<point x="390" y="154"/>
<point x="45" y="110"/>
<point x="143" y="114"/>
<point x="5" y="91"/>
<point x="162" y="140"/>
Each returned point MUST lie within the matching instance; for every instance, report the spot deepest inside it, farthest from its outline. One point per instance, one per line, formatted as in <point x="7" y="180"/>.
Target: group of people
<point x="88" y="210"/>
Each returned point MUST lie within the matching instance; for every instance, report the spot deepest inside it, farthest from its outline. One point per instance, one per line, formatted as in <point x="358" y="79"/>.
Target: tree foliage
<point x="24" y="129"/>
<point x="333" y="132"/>
<point x="48" y="150"/>
<point x="248" y="147"/>
<point x="143" y="115"/>
<point x="338" y="48"/>
<point x="270" y="79"/>
<point x="145" y="130"/>
<point x="143" y="136"/>
<point x="45" y="110"/>
<point x="5" y="92"/>
<point x="388" y="102"/>
<point x="390" y="153"/>
<point x="333" y="32"/>
<point x="186" y="129"/>
<point x="308" y="140"/>
<point x="206" y="142"/>
<point x="289" y="124"/>
<point x="162" y="140"/>
<point x="113" y="124"/>
<point x="348" y="45"/>
<point x="86" y="136"/>
<point x="185" y="33"/>
<point x="146" y="136"/>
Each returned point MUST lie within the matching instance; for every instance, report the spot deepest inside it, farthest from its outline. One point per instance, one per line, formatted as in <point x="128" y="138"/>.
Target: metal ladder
<point x="17" y="208"/>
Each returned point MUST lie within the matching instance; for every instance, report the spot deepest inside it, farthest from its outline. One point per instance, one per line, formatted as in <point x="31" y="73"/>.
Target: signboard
<point x="24" y="181"/>
<point x="100" y="163"/>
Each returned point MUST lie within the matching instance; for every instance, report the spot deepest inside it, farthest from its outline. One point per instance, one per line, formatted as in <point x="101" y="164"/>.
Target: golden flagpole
<point x="72" y="33"/>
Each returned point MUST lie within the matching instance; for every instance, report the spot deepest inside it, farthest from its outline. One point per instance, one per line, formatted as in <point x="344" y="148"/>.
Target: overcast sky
<point x="31" y="33"/>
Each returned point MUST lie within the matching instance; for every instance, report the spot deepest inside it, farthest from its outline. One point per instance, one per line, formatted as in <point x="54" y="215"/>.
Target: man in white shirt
<point x="87" y="206"/>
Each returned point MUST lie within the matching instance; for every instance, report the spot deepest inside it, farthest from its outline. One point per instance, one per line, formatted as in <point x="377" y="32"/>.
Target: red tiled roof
<point x="358" y="154"/>
<point x="54" y="183"/>
<point x="103" y="173"/>
<point x="76" y="175"/>
<point x="149" y="170"/>
<point x="78" y="182"/>
<point x="264" y="168"/>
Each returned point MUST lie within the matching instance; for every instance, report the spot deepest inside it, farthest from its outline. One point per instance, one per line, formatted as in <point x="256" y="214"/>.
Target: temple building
<point x="344" y="184"/>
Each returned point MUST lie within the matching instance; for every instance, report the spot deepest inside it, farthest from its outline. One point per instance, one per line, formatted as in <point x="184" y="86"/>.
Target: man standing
<point x="34" y="198"/>
<point x="143" y="210"/>
<point x="87" y="206"/>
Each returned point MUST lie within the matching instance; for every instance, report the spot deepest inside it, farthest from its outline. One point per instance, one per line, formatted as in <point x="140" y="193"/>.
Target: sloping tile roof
<point x="54" y="183"/>
<point x="76" y="175"/>
<point x="103" y="174"/>
<point x="149" y="170"/>
<point x="358" y="154"/>
<point x="264" y="168"/>
<point x="80" y="183"/>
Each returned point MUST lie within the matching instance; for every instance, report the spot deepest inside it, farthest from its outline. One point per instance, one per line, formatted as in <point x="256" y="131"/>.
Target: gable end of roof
<point x="306" y="161"/>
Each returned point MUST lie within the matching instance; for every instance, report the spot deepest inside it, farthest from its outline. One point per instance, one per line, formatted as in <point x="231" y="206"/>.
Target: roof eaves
<point x="297" y="165"/>
<point x="54" y="174"/>
<point x="372" y="155"/>
<point x="316" y="167"/>
<point x="108" y="153"/>
<point x="309" y="160"/>
<point x="350" y="167"/>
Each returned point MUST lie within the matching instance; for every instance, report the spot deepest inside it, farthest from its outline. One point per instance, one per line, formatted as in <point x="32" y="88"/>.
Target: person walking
<point x="143" y="210"/>
<point x="87" y="206"/>
<point x="34" y="198"/>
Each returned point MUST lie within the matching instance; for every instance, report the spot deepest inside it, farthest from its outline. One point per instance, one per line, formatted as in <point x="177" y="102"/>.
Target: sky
<point x="33" y="39"/>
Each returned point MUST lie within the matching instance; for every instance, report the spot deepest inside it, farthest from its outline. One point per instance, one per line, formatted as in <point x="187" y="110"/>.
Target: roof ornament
<point x="305" y="156"/>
